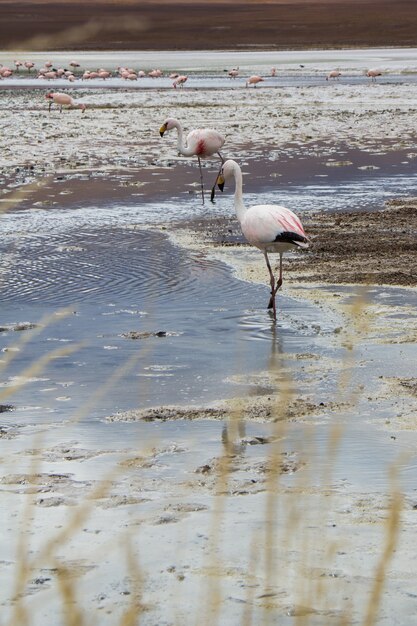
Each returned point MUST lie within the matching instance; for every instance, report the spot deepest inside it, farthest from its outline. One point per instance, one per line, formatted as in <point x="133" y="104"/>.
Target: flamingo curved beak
<point x="220" y="182"/>
<point x="162" y="130"/>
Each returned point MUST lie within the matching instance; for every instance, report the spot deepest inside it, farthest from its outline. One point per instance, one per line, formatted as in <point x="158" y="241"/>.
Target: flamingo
<point x="234" y="72"/>
<point x="28" y="65"/>
<point x="201" y="142"/>
<point x="373" y="73"/>
<point x="254" y="80"/>
<point x="333" y="74"/>
<point x="179" y="81"/>
<point x="269" y="227"/>
<point x="273" y="71"/>
<point x="63" y="99"/>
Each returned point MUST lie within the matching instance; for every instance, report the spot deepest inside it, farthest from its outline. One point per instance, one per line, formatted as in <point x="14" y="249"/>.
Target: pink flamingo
<point x="179" y="82"/>
<point x="155" y="73"/>
<point x="269" y="227"/>
<point x="273" y="71"/>
<point x="104" y="74"/>
<point x="201" y="142"/>
<point x="4" y="69"/>
<point x="18" y="65"/>
<point x="63" y="99"/>
<point x="254" y="80"/>
<point x="174" y="75"/>
<point x="141" y="74"/>
<point x="234" y="72"/>
<point x="333" y="74"/>
<point x="28" y="65"/>
<point x="373" y="73"/>
<point x="74" y="64"/>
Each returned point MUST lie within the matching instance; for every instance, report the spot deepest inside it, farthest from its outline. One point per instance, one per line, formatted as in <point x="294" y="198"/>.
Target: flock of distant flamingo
<point x="49" y="72"/>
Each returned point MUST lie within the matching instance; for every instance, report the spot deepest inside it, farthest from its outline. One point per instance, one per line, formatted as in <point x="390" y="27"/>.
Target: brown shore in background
<point x="127" y="25"/>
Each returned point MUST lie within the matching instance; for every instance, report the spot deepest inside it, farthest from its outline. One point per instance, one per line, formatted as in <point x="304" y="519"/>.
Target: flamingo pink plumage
<point x="373" y="73"/>
<point x="179" y="81"/>
<point x="254" y="80"/>
<point x="269" y="227"/>
<point x="333" y="74"/>
<point x="63" y="99"/>
<point x="201" y="142"/>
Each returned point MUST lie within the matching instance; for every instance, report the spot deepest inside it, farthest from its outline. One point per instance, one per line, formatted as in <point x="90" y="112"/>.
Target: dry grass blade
<point x="36" y="368"/>
<point x="392" y="529"/>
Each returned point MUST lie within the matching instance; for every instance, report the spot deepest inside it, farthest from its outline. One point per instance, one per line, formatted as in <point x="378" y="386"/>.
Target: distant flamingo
<point x="28" y="65"/>
<point x="174" y="75"/>
<point x="155" y="73"/>
<point x="63" y="99"/>
<point x="333" y="74"/>
<point x="269" y="227"/>
<point x="373" y="73"/>
<point x="254" y="80"/>
<point x="179" y="81"/>
<point x="18" y="65"/>
<point x="273" y="71"/>
<point x="74" y="64"/>
<point x="234" y="72"/>
<point x="201" y="142"/>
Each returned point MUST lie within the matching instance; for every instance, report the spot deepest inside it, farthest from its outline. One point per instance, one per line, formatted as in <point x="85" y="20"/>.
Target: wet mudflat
<point x="229" y="455"/>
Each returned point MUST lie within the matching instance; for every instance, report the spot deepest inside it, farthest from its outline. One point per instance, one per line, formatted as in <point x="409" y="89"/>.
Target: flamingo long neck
<point x="182" y="148"/>
<point x="239" y="206"/>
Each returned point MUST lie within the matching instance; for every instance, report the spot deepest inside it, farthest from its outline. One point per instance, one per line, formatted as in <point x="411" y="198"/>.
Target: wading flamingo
<point x="63" y="99"/>
<point x="234" y="72"/>
<point x="201" y="142"/>
<point x="333" y="74"/>
<point x="372" y="74"/>
<point x="254" y="80"/>
<point x="269" y="227"/>
<point x="179" y="81"/>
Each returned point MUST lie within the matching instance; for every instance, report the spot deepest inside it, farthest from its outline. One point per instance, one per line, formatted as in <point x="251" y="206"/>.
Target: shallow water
<point x="208" y="70"/>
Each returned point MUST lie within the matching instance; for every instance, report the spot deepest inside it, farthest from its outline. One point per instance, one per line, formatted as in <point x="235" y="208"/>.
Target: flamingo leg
<point x="271" y="304"/>
<point x="201" y="178"/>
<point x="213" y="189"/>
<point x="274" y="288"/>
